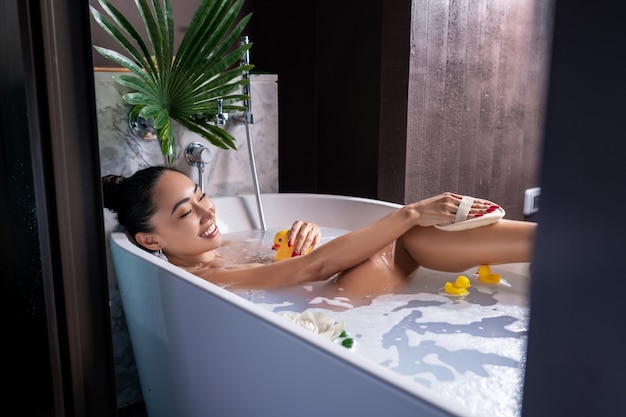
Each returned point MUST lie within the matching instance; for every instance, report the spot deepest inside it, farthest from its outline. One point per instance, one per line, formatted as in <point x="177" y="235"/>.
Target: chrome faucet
<point x="140" y="127"/>
<point x="220" y="118"/>
<point x="245" y="60"/>
<point x="198" y="155"/>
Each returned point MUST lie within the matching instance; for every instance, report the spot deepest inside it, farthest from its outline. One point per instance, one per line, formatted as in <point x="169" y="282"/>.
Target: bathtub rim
<point x="120" y="239"/>
<point x="248" y="203"/>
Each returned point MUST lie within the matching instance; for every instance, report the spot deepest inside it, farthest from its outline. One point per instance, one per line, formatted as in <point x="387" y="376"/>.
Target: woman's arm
<point x="340" y="253"/>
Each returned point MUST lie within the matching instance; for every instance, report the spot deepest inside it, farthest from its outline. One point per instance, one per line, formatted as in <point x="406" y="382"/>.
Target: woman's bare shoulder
<point x="226" y="273"/>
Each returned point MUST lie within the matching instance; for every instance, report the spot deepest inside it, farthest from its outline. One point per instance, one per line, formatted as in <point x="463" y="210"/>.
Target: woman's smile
<point x="211" y="232"/>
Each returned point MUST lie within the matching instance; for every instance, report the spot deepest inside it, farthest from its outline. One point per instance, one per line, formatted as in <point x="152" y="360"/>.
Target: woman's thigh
<point x="380" y="274"/>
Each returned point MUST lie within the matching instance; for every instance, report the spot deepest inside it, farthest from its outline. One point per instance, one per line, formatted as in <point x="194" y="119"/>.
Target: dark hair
<point x="132" y="198"/>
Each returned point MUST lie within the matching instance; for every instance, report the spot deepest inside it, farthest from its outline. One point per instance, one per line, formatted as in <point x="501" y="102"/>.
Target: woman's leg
<point x="507" y="241"/>
<point x="380" y="274"/>
<point x="504" y="242"/>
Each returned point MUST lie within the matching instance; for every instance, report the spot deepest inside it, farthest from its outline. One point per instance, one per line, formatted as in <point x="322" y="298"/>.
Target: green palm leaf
<point x="126" y="42"/>
<point x="187" y="86"/>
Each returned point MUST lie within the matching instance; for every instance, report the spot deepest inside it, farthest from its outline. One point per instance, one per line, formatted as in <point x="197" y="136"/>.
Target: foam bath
<point x="205" y="350"/>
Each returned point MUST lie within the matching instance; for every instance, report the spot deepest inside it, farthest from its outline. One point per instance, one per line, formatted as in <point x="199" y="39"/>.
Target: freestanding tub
<point x="202" y="350"/>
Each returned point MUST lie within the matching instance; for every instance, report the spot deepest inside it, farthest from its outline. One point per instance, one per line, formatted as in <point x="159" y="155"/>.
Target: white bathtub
<point x="204" y="351"/>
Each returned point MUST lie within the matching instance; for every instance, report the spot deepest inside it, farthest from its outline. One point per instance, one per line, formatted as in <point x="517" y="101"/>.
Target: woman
<point x="165" y="211"/>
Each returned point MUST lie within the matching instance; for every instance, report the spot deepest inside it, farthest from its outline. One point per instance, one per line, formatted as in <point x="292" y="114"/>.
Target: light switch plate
<point x="531" y="200"/>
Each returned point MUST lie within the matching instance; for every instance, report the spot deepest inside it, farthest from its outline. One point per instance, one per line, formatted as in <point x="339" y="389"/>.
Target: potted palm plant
<point x="188" y="85"/>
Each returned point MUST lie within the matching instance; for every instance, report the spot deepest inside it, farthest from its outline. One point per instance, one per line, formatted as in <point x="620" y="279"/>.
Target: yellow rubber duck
<point x="485" y="275"/>
<point x="281" y="246"/>
<point x="459" y="287"/>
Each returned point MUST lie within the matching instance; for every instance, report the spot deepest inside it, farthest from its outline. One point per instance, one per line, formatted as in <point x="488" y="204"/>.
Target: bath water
<point x="469" y="350"/>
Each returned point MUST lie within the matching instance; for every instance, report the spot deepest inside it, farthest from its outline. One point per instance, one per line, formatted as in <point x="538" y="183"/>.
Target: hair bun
<point x="111" y="185"/>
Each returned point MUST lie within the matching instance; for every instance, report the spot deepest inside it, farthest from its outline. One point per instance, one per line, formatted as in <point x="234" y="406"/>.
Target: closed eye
<point x="187" y="213"/>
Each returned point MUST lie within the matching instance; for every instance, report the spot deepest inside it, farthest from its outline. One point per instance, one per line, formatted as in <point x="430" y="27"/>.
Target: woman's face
<point x="185" y="218"/>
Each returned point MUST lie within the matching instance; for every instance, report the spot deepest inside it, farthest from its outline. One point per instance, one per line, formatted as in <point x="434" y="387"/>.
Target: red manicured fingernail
<point x="491" y="209"/>
<point x="294" y="254"/>
<point x="478" y="215"/>
<point x="290" y="243"/>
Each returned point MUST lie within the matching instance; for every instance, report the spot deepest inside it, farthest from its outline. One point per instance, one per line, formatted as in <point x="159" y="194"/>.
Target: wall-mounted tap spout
<point x="198" y="155"/>
<point x="220" y="118"/>
<point x="140" y="127"/>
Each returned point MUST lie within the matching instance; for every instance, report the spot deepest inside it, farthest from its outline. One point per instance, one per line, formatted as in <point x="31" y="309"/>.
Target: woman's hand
<point x="304" y="235"/>
<point x="441" y="209"/>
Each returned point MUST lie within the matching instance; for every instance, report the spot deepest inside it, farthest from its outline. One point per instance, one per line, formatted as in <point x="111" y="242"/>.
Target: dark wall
<point x="576" y="362"/>
<point x="285" y="42"/>
<point x="328" y="62"/>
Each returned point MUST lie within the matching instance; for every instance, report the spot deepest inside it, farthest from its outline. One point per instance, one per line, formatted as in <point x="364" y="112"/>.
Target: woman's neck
<point x="205" y="260"/>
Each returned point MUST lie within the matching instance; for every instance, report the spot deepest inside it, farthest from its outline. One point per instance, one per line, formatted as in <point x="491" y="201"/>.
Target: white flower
<point x="318" y="323"/>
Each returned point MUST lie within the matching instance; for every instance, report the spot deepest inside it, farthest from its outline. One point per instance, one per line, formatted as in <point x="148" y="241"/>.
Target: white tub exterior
<point x="204" y="351"/>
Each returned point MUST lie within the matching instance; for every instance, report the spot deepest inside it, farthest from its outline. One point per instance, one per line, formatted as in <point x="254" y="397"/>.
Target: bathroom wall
<point x="431" y="96"/>
<point x="476" y="99"/>
<point x="122" y="153"/>
<point x="428" y="95"/>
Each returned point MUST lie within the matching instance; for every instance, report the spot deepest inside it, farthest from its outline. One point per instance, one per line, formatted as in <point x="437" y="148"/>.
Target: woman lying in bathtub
<point x="165" y="211"/>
